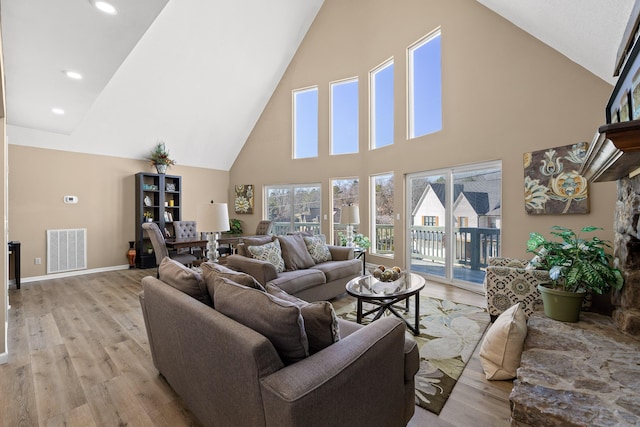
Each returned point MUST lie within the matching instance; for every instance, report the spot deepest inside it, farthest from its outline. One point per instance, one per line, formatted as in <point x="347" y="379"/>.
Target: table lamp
<point x="220" y="223"/>
<point x="349" y="215"/>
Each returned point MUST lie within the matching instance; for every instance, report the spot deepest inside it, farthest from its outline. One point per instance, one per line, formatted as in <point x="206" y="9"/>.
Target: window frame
<point x="332" y="85"/>
<point x="372" y="104"/>
<point x="373" y="210"/>
<point x="410" y="82"/>
<point x="294" y="127"/>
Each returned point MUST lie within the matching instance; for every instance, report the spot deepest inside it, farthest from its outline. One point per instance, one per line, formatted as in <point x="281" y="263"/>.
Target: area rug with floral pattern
<point x="449" y="334"/>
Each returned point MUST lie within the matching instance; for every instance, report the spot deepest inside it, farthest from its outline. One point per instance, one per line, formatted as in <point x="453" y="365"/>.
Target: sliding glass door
<point x="454" y="221"/>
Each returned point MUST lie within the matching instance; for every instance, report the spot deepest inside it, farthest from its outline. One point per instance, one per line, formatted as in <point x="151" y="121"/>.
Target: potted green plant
<point x="359" y="240"/>
<point x="576" y="266"/>
<point x="235" y="227"/>
<point x="159" y="157"/>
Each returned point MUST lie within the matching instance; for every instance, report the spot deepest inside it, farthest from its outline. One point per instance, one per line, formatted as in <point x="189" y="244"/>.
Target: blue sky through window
<point x="426" y="88"/>
<point x="306" y="123"/>
<point x="344" y="117"/>
<point x="382" y="106"/>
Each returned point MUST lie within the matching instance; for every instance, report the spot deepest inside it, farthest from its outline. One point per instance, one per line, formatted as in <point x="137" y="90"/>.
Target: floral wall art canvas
<point x="552" y="184"/>
<point x="244" y="199"/>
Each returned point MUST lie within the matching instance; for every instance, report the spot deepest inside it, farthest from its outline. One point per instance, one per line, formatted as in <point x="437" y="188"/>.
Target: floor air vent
<point x="66" y="250"/>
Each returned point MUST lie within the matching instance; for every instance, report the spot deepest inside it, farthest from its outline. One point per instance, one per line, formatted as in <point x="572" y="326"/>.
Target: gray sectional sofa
<point x="302" y="275"/>
<point x="219" y="344"/>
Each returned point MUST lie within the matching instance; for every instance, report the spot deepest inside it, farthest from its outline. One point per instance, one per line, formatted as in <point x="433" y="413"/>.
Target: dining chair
<point x="187" y="230"/>
<point x="160" y="248"/>
<point x="264" y="227"/>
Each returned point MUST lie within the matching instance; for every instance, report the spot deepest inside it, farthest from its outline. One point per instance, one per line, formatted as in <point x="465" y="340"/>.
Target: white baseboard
<point x="72" y="273"/>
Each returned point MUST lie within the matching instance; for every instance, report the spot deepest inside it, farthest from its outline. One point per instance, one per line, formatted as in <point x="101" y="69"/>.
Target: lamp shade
<point x="350" y="214"/>
<point x="220" y="217"/>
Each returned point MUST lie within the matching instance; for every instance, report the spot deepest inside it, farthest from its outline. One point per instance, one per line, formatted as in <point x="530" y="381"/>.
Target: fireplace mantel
<point x="614" y="152"/>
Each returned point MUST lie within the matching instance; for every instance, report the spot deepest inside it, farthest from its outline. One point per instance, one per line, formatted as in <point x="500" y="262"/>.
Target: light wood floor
<point x="78" y="356"/>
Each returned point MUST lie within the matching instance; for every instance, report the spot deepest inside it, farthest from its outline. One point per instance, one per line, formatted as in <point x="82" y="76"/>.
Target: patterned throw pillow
<point x="269" y="252"/>
<point x="317" y="247"/>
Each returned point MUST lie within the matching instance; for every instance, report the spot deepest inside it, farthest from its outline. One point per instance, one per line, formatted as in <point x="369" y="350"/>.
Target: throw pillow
<point x="212" y="270"/>
<point x="253" y="241"/>
<point x="501" y="348"/>
<point x="294" y="253"/>
<point x="320" y="320"/>
<point x="270" y="252"/>
<point x="318" y="249"/>
<point x="184" y="279"/>
<point x="278" y="320"/>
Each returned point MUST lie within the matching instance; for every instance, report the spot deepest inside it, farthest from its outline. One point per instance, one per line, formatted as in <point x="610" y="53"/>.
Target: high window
<point x="345" y="192"/>
<point x="462" y="206"/>
<point x="425" y="86"/>
<point x="344" y="117"/>
<point x="305" y="123"/>
<point x="293" y="208"/>
<point x="382" y="212"/>
<point x="381" y="105"/>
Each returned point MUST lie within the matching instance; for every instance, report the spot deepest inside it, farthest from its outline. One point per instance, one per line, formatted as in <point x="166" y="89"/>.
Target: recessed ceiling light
<point x="73" y="75"/>
<point x="105" y="7"/>
<point x="58" y="111"/>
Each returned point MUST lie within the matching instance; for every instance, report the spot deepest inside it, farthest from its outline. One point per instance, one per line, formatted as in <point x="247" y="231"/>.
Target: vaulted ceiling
<point x="197" y="74"/>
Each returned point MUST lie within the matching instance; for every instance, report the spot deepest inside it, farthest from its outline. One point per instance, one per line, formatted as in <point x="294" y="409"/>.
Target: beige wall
<point x="105" y="187"/>
<point x="504" y="93"/>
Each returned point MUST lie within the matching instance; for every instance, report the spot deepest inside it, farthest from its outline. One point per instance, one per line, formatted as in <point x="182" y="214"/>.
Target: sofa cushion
<point x="184" y="279"/>
<point x="320" y="320"/>
<point x="296" y="281"/>
<point x="317" y="248"/>
<point x="334" y="270"/>
<point x="270" y="252"/>
<point x="278" y="320"/>
<point x="212" y="270"/>
<point x="294" y="252"/>
<point x="501" y="348"/>
<point x="242" y="248"/>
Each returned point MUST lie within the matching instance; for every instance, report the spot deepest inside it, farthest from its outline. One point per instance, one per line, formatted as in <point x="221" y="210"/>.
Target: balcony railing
<point x="473" y="246"/>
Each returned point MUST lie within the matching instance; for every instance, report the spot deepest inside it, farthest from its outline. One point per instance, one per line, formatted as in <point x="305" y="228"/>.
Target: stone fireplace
<point x="626" y="314"/>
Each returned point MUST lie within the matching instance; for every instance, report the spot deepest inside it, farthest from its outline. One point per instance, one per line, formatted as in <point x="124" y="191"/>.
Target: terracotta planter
<point x="561" y="305"/>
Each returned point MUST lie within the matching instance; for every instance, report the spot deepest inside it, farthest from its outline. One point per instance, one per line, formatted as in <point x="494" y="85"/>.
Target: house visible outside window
<point x="467" y="200"/>
<point x="381" y="105"/>
<point x="430" y="221"/>
<point x="305" y="123"/>
<point x="382" y="212"/>
<point x="425" y="86"/>
<point x="344" y="117"/>
<point x="294" y="207"/>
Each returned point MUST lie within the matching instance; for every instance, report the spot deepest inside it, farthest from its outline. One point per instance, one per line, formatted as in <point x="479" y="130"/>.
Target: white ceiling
<point x="198" y="73"/>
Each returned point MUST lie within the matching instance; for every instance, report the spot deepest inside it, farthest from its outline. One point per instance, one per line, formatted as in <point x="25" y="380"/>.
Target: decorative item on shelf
<point x="349" y="215"/>
<point x="243" y="202"/>
<point x="220" y="216"/>
<point x="131" y="254"/>
<point x="170" y="186"/>
<point x="148" y="216"/>
<point x="575" y="267"/>
<point x="159" y="157"/>
<point x="147" y="201"/>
